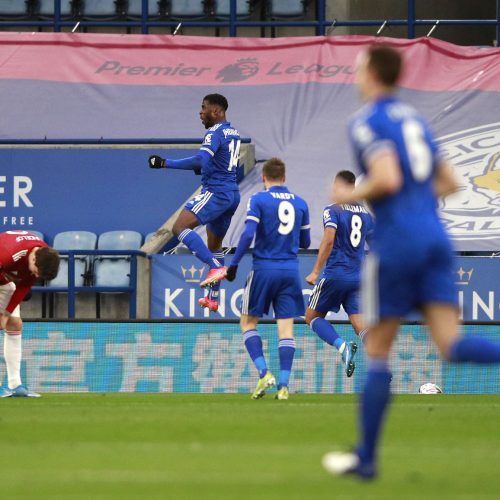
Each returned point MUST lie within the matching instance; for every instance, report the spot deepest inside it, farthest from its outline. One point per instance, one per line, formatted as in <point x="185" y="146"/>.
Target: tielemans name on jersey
<point x="355" y="208"/>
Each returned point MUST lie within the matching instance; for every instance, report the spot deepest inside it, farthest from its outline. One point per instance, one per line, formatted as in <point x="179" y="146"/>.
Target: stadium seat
<point x="223" y="8"/>
<point x="37" y="233"/>
<point x="115" y="270"/>
<point x="286" y="8"/>
<point x="187" y="8"/>
<point x="46" y="8"/>
<point x="119" y="240"/>
<point x="99" y="8"/>
<point x="13" y="8"/>
<point x="73" y="240"/>
<point x="135" y="8"/>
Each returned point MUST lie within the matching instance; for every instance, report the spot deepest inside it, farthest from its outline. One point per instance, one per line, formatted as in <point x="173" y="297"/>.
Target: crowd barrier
<point x="210" y="357"/>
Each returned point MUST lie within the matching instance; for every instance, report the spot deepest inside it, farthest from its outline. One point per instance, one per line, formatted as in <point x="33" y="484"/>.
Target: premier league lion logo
<point x="474" y="212"/>
<point x="243" y="69"/>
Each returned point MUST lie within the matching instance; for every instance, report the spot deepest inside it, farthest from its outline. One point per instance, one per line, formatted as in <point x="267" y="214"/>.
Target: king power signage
<point x="176" y="288"/>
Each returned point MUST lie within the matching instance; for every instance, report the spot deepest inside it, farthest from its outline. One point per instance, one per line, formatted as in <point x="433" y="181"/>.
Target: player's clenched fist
<point x="231" y="273"/>
<point x="156" y="161"/>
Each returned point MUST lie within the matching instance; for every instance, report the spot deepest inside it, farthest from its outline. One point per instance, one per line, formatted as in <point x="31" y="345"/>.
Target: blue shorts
<point x="280" y="288"/>
<point x="329" y="294"/>
<point x="396" y="285"/>
<point x="214" y="209"/>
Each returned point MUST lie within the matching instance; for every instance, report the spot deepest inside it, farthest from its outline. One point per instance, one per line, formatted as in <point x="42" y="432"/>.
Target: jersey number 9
<point x="286" y="215"/>
<point x="234" y="151"/>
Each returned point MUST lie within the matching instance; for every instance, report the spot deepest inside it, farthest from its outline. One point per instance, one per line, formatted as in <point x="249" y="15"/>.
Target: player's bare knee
<point x="14" y="325"/>
<point x="310" y="315"/>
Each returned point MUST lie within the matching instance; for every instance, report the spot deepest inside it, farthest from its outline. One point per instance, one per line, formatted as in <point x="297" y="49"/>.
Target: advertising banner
<point x="211" y="357"/>
<point x="292" y="96"/>
<point x="175" y="288"/>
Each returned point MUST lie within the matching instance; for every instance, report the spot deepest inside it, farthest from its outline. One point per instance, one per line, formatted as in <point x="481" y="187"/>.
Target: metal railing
<point x="321" y="24"/>
<point x="72" y="289"/>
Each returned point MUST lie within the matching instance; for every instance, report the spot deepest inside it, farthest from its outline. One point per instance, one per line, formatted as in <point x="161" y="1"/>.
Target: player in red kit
<point x="24" y="258"/>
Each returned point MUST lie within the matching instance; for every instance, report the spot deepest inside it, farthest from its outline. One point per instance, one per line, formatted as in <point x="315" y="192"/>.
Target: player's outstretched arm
<point x="325" y="249"/>
<point x="246" y="239"/>
<point x="196" y="162"/>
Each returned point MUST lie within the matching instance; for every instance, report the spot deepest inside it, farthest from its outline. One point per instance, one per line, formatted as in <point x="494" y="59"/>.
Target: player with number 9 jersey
<point x="279" y="222"/>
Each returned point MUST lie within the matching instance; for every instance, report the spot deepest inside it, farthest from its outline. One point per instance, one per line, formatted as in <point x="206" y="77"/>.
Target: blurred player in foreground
<point x="217" y="161"/>
<point x="342" y="250"/>
<point x="279" y="221"/>
<point x="411" y="260"/>
<point x="23" y="259"/>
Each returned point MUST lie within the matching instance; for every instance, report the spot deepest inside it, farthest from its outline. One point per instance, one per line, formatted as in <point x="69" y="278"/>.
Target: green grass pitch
<point x="176" y="446"/>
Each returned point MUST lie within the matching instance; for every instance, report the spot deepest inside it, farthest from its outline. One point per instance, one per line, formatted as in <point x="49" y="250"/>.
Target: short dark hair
<point x="347" y="176"/>
<point x="386" y="62"/>
<point x="218" y="100"/>
<point x="274" y="169"/>
<point x="47" y="263"/>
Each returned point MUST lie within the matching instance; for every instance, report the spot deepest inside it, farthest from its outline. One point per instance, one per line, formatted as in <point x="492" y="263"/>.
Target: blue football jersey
<point x="411" y="213"/>
<point x="352" y="224"/>
<point x="281" y="216"/>
<point x="222" y="142"/>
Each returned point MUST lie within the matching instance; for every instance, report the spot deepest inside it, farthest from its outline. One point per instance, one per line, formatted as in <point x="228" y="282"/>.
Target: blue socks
<point x="253" y="343"/>
<point x="213" y="291"/>
<point x="475" y="350"/>
<point x="374" y="401"/>
<point x="196" y="245"/>
<point x="286" y="349"/>
<point x="325" y="331"/>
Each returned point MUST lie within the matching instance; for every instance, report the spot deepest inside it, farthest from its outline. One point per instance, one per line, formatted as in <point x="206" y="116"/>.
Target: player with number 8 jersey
<point x="341" y="253"/>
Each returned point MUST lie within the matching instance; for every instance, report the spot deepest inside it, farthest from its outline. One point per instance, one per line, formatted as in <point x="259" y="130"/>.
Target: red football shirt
<point x="15" y="247"/>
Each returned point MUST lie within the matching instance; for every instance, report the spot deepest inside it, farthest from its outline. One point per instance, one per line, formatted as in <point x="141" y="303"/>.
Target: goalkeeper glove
<point x="156" y="162"/>
<point x="231" y="273"/>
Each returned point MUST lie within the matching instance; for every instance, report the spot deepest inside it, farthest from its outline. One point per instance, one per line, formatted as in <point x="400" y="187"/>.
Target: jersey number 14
<point x="234" y="152"/>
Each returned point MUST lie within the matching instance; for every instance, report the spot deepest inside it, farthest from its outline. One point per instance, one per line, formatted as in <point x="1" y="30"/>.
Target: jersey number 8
<point x="356" y="224"/>
<point x="286" y="215"/>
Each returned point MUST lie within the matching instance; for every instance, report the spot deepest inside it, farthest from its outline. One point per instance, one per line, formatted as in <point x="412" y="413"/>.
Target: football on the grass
<point x="430" y="388"/>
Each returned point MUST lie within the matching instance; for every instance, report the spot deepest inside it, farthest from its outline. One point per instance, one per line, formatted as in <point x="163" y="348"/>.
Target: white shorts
<point x="6" y="293"/>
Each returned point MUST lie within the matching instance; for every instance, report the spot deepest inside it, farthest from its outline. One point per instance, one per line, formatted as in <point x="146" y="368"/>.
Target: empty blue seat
<point x="286" y="8"/>
<point x="187" y="8"/>
<point x="46" y="7"/>
<point x="13" y="8"/>
<point x="115" y="270"/>
<point x="149" y="236"/>
<point x="120" y="240"/>
<point x="73" y="240"/>
<point x="135" y="8"/>
<point x="37" y="233"/>
<point x="223" y="8"/>
<point x="99" y="8"/>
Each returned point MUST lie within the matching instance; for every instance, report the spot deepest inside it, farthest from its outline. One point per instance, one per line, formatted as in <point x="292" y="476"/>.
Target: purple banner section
<point x="175" y="288"/>
<point x="293" y="97"/>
